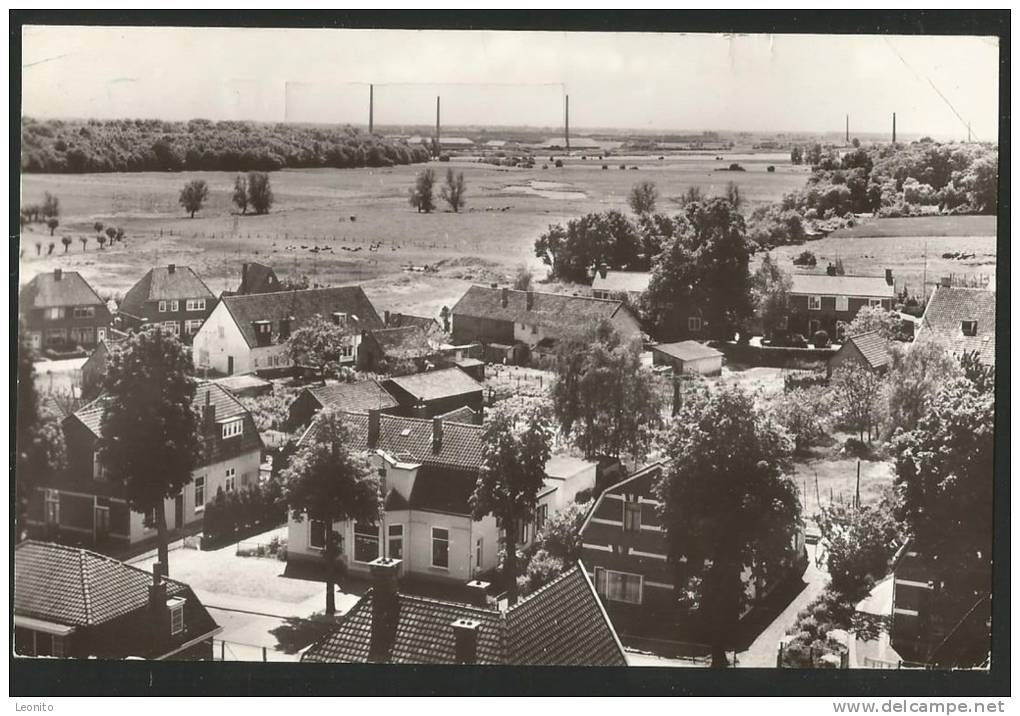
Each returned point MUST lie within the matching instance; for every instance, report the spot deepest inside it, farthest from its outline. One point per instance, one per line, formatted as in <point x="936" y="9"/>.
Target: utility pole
<point x="848" y="129"/>
<point x="566" y="121"/>
<point x="437" y="126"/>
<point x="371" y="99"/>
<point x="894" y="128"/>
<point x="968" y="132"/>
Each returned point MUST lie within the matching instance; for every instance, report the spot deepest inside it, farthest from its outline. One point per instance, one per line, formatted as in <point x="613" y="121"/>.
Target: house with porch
<point x="171" y="296"/>
<point x="73" y="603"/>
<point x="820" y="302"/>
<point x="82" y="505"/>
<point x="61" y="312"/>
<point x="249" y="333"/>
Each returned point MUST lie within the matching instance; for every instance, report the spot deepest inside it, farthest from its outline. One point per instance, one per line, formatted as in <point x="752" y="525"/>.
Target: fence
<point x="512" y="379"/>
<point x="694" y="652"/>
<point x="238" y="651"/>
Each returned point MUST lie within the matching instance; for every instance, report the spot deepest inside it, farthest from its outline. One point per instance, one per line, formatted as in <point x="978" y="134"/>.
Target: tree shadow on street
<point x="296" y="633"/>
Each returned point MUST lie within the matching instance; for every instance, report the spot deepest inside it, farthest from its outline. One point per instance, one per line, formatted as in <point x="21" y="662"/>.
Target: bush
<point x="805" y="258"/>
<point x="232" y="515"/>
<point x="770" y="169"/>
<point x="605" y="167"/>
<point x="444" y="157"/>
<point x="802" y="413"/>
<point x="559" y="163"/>
<point x="820" y="339"/>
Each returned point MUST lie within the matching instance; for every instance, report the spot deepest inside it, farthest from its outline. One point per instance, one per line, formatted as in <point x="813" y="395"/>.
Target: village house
<point x="73" y="603"/>
<point x="819" y="302"/>
<point x="963" y="318"/>
<point x="258" y="278"/>
<point x="384" y="348"/>
<point x="623" y="546"/>
<point x="870" y="350"/>
<point x="560" y="624"/>
<point x="688" y="357"/>
<point x="359" y="397"/>
<point x="620" y="285"/>
<point x="171" y="296"/>
<point x="61" y="312"/>
<point x="568" y="479"/>
<point x="403" y="320"/>
<point x="246" y="334"/>
<point x="503" y="316"/>
<point x="81" y="504"/>
<point x="425" y="395"/>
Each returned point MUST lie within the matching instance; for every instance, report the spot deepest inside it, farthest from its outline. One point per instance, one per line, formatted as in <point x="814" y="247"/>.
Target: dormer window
<point x="263" y="332"/>
<point x="969" y="328"/>
<point x="175" y="606"/>
<point x="232" y="428"/>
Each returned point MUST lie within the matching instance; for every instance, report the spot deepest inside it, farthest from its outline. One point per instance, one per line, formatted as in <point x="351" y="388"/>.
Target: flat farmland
<point x="343" y="225"/>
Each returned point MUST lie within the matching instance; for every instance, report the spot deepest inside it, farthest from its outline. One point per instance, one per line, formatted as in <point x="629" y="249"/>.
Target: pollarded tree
<point x="240" y="196"/>
<point x="603" y="398"/>
<point x="66" y="241"/>
<point x="98" y="226"/>
<point x="515" y="448"/>
<point x="318" y="344"/>
<point x="421" y="195"/>
<point x="327" y="481"/>
<point x="50" y="206"/>
<point x="643" y="197"/>
<point x="111" y="234"/>
<point x="52" y="223"/>
<point x="150" y="430"/>
<point x="726" y="504"/>
<point x="453" y="190"/>
<point x="193" y="195"/>
<point x="260" y="193"/>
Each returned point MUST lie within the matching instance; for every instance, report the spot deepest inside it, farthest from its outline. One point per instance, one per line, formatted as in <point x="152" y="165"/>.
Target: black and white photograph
<point x="667" y="350"/>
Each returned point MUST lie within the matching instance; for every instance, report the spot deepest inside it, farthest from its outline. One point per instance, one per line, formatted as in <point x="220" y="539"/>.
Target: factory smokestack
<point x="566" y="122"/>
<point x="371" y="108"/>
<point x="848" y="129"/>
<point x="437" y="126"/>
<point x="894" y="128"/>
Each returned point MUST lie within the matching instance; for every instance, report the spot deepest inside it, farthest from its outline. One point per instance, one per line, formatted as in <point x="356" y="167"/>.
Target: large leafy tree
<point x="603" y="398"/>
<point x="193" y="195"/>
<point x="150" y="431"/>
<point x="596" y="241"/>
<point x="875" y="318"/>
<point x="318" y="344"/>
<point x="422" y="194"/>
<point x="453" y="190"/>
<point x="726" y="504"/>
<point x="856" y="391"/>
<point x="705" y="267"/>
<point x="328" y="481"/>
<point x="516" y="447"/>
<point x="917" y="372"/>
<point x="860" y="540"/>
<point x="643" y="197"/>
<point x="771" y="287"/>
<point x="260" y="192"/>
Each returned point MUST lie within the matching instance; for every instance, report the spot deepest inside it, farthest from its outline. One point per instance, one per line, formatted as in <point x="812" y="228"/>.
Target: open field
<point x="506" y="211"/>
<point x="967" y="225"/>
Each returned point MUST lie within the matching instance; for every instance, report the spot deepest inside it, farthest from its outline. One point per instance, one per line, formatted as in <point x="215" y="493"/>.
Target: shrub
<point x="770" y="169"/>
<point x="444" y="157"/>
<point x="805" y="258"/>
<point x="559" y="163"/>
<point x="820" y="339"/>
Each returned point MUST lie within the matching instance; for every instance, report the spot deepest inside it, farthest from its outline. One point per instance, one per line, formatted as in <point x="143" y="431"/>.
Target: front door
<point x="179" y="511"/>
<point x="102" y="522"/>
<point x="230" y="365"/>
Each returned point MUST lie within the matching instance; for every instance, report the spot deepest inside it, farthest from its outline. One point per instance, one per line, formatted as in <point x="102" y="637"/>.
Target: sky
<point x="654" y="82"/>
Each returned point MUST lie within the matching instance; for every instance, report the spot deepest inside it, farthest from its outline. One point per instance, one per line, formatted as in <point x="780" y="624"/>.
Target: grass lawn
<point x="837" y="477"/>
<point x="970" y="225"/>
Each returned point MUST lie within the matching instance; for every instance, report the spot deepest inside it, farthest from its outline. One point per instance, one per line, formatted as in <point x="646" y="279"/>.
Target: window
<point x="200" y="493"/>
<point x="479" y="552"/>
<point x="814" y="303"/>
<point x="441" y="547"/>
<point x="191" y="326"/>
<point x="172" y="327"/>
<point x="195" y="304"/>
<point x="176" y="606"/>
<point x="98" y="471"/>
<point x="694" y="323"/>
<point x="395" y="542"/>
<point x="875" y="302"/>
<point x="969" y="328"/>
<point x="231" y="482"/>
<point x="221" y="333"/>
<point x="346" y="350"/>
<point x="162" y="306"/>
<point x="541" y="515"/>
<point x="52" y="503"/>
<point x="317" y="534"/>
<point x="101" y="521"/>
<point x="842" y="303"/>
<point x="618" y="586"/>
<point x="366" y="542"/>
<point x="84" y="311"/>
<point x="175" y="306"/>
<point x="232" y="428"/>
<point x="54" y="314"/>
<point x="631" y="514"/>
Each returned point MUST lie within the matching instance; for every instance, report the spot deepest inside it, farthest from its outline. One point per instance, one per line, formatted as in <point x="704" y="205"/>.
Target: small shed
<point x="688" y="357"/>
<point x="869" y="349"/>
<point x="245" y="386"/>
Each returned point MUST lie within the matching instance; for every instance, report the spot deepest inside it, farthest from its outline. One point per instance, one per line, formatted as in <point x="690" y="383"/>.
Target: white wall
<point x="211" y="350"/>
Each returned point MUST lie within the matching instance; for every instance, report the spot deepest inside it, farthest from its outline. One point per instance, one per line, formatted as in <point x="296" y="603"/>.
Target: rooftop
<point x="436" y="384"/>
<point x="164" y="283"/>
<point x="547" y="309"/>
<point x="622" y="281"/>
<point x="825" y="285"/>
<point x="564" y="466"/>
<point x="47" y="291"/>
<point x="353" y="397"/>
<point x="404" y="342"/>
<point x="946" y="312"/>
<point x="873" y="347"/>
<point x="687" y="350"/>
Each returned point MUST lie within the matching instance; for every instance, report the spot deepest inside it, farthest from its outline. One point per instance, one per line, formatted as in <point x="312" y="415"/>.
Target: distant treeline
<point x="136" y="145"/>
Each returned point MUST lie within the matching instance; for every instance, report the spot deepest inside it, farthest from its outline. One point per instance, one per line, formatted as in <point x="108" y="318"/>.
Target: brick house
<point x="247" y="334"/>
<point x="82" y="505"/>
<point x="561" y="624"/>
<point x="73" y="603"/>
<point x="819" y="302"/>
<point x="172" y="296"/>
<point x="61" y="311"/>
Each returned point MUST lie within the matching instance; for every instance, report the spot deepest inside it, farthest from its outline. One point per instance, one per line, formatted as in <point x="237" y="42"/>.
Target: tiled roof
<point x="436" y="384"/>
<point x="825" y="285"/>
<point x="405" y="342"/>
<point x="560" y="624"/>
<point x="403" y="320"/>
<point x="301" y="306"/>
<point x="622" y="281"/>
<point x="460" y="415"/>
<point x="44" y="291"/>
<point x="158" y="284"/>
<point x="461" y="445"/>
<point x="873" y="347"/>
<point x="548" y="309"/>
<point x="258" y="278"/>
<point x="69" y="585"/>
<point x="564" y="466"/>
<point x="687" y="350"/>
<point x="353" y="397"/>
<point x="442" y="489"/>
<point x="949" y="307"/>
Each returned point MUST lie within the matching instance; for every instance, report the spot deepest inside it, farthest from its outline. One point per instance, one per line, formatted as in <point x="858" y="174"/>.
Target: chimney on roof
<point x="888" y="277"/>
<point x="437" y="434"/>
<point x="465" y="635"/>
<point x="530" y="299"/>
<point x="373" y="428"/>
<point x="244" y="277"/>
<point x="386" y="318"/>
<point x="58" y="274"/>
<point x="945" y="282"/>
<point x="478" y="592"/>
<point x="171" y="268"/>
<point x="385" y="607"/>
<point x="504" y="296"/>
<point x="159" y="616"/>
<point x="209" y="412"/>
